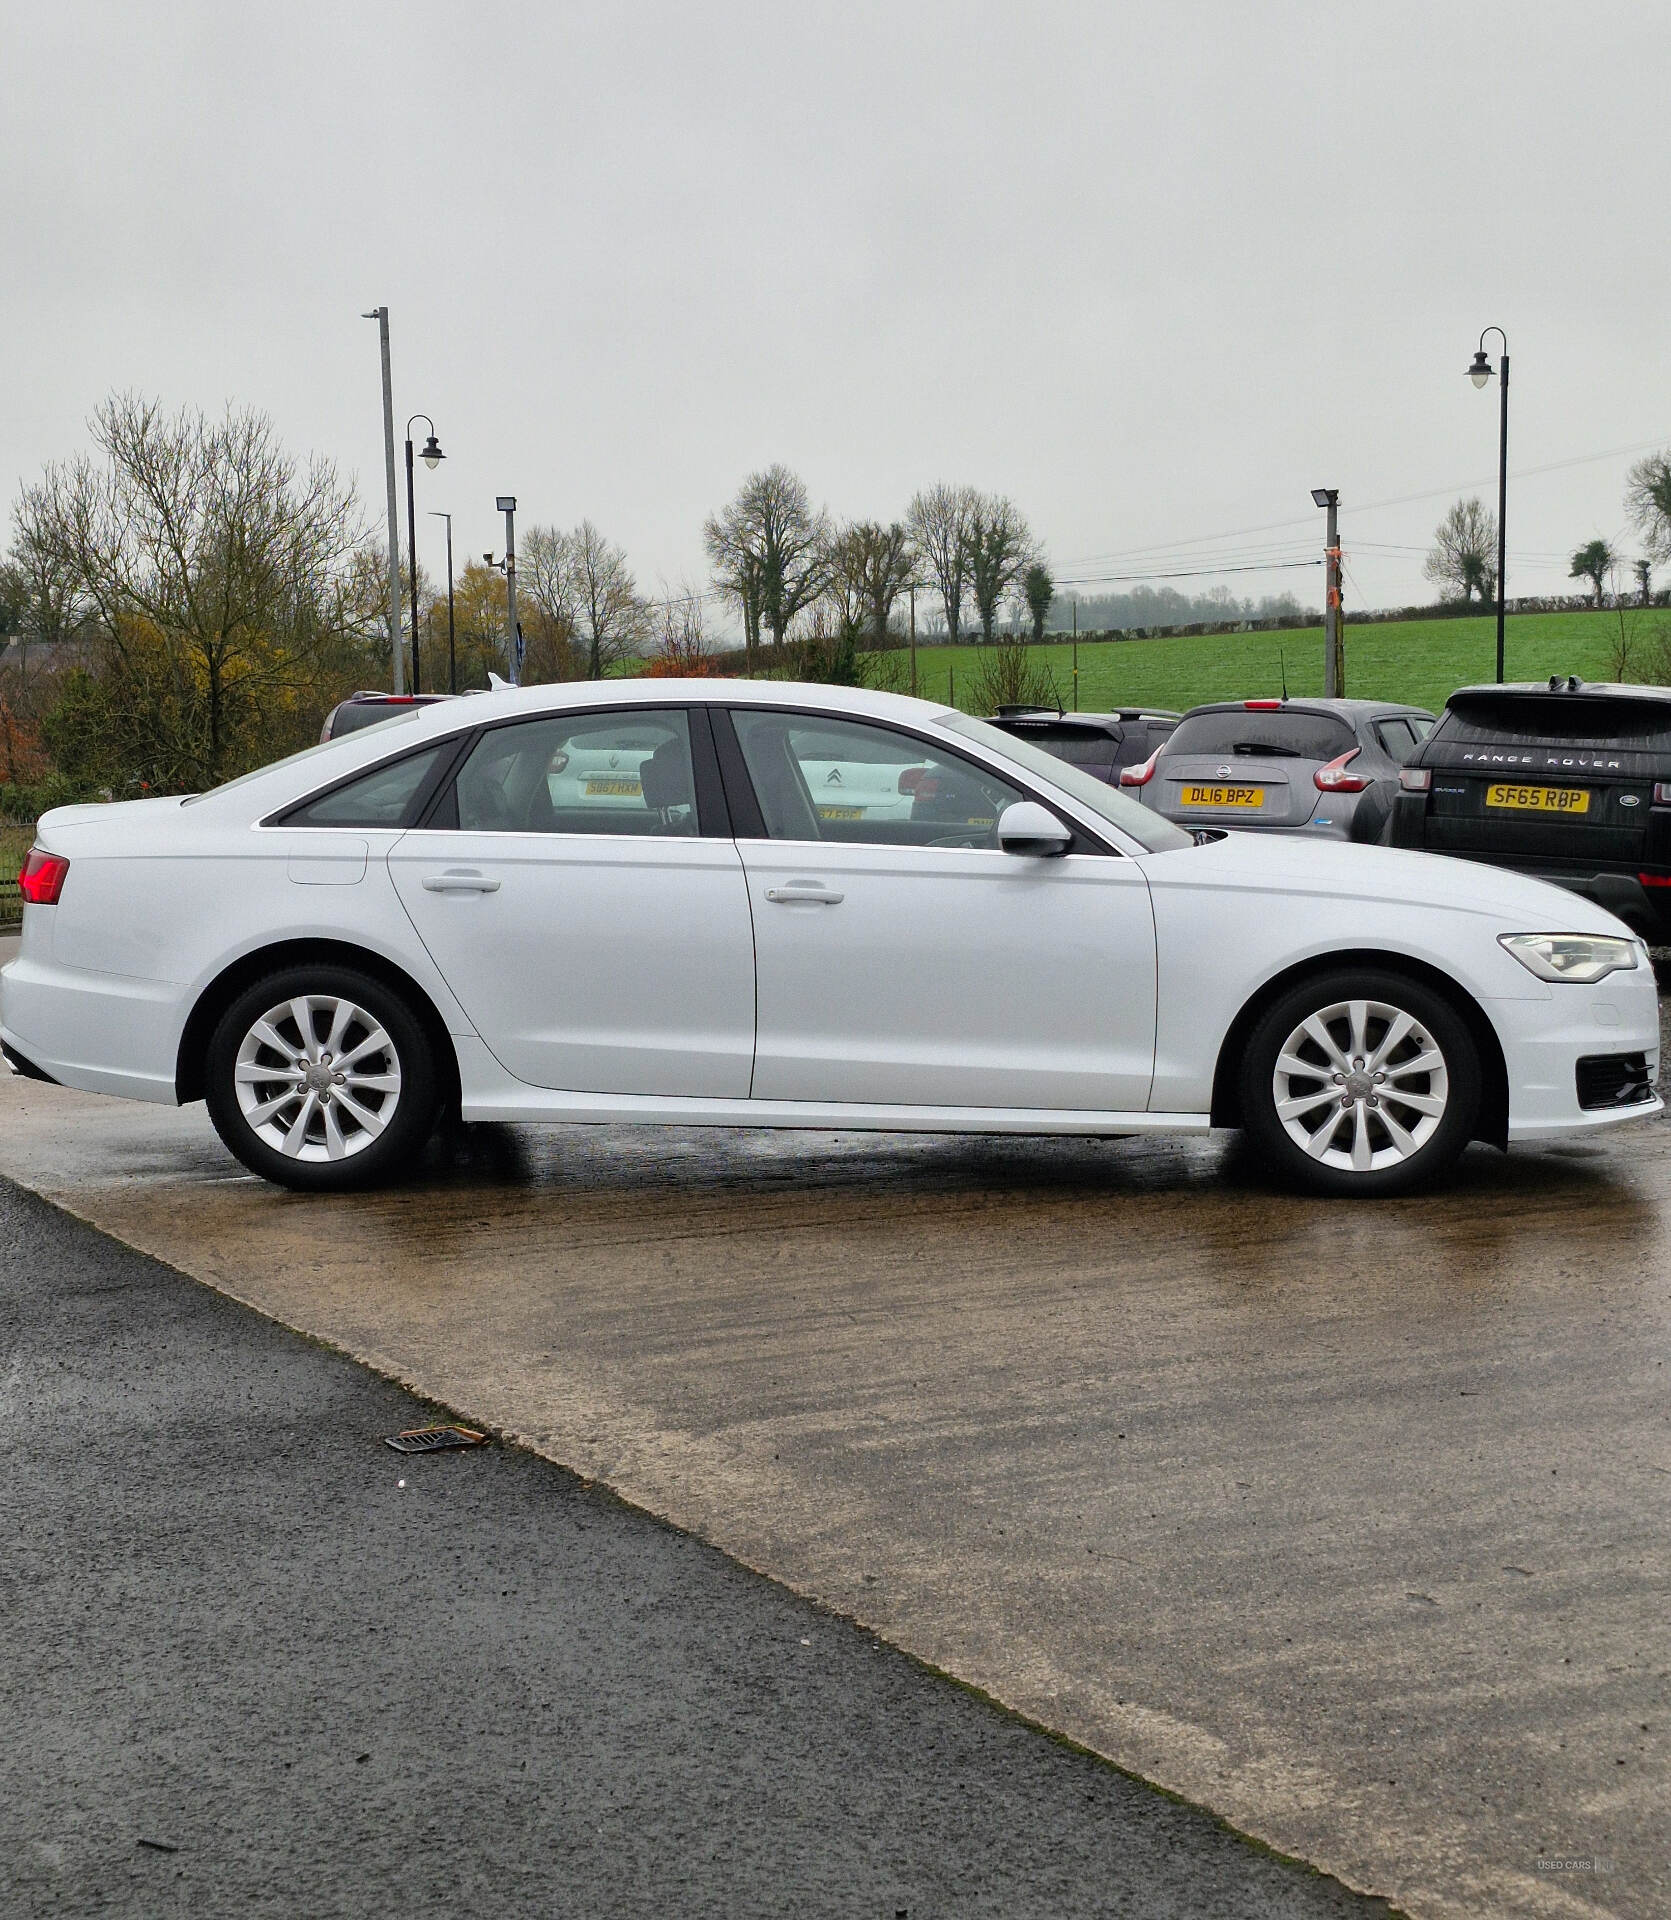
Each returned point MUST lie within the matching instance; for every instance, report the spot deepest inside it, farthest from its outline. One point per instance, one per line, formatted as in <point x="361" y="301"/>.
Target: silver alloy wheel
<point x="317" y="1078"/>
<point x="1360" y="1085"/>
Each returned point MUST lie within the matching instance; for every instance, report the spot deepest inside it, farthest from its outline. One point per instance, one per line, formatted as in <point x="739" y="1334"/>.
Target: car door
<point x="905" y="960"/>
<point x="578" y="887"/>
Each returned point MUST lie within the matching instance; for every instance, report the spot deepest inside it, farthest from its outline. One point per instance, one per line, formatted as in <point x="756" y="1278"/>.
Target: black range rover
<point x="1567" y="782"/>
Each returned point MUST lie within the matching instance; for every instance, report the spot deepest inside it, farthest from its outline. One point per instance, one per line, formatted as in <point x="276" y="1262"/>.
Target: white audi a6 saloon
<point x="681" y="903"/>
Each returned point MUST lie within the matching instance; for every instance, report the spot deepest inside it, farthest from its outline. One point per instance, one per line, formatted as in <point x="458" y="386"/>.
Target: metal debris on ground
<point x="435" y="1439"/>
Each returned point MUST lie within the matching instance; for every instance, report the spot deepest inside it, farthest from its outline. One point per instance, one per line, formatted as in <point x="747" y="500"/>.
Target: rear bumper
<point x="101" y="1032"/>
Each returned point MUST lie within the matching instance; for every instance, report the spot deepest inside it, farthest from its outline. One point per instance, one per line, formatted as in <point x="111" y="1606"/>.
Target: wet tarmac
<point x="1347" y="1522"/>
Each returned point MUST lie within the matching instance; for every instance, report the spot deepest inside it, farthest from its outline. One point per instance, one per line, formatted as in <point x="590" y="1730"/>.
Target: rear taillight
<point x="1662" y="793"/>
<point x="1337" y="776"/>
<point x="1655" y="879"/>
<point x="1262" y="706"/>
<point x="1142" y="775"/>
<point x="1415" y="779"/>
<point x="42" y="878"/>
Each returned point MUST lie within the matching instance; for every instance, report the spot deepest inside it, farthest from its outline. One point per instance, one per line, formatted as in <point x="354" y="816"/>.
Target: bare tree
<point x="1594" y="562"/>
<point x="218" y="576"/>
<point x="938" y="519"/>
<point x="999" y="546"/>
<point x="681" y="646"/>
<point x="737" y="576"/>
<point x="612" y="618"/>
<point x="1463" y="561"/>
<point x="770" y="544"/>
<point x="548" y="587"/>
<point x="1648" y="503"/>
<point x="872" y="566"/>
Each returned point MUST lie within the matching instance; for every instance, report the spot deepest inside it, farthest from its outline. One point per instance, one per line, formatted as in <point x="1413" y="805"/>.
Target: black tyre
<point x="1360" y="1082"/>
<point x="322" y="1078"/>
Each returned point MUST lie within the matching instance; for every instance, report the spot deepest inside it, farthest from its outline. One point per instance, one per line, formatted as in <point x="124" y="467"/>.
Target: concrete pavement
<point x="256" y="1663"/>
<point x="1345" y="1522"/>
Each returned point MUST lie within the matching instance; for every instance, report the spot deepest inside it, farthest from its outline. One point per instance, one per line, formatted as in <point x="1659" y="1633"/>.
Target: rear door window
<point x="620" y="773"/>
<point x="1279" y="733"/>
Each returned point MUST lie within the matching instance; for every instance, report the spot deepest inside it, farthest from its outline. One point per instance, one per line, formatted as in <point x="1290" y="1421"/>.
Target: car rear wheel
<point x="1362" y="1083"/>
<point x="322" y="1078"/>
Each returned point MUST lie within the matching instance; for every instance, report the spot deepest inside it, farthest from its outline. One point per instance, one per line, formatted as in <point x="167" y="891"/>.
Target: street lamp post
<point x="1479" y="373"/>
<point x="398" y="660"/>
<point x="1333" y="658"/>
<point x="452" y="650"/>
<point x="432" y="456"/>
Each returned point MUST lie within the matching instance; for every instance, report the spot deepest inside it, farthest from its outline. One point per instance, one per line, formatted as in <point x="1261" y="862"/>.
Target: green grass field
<point x="1419" y="661"/>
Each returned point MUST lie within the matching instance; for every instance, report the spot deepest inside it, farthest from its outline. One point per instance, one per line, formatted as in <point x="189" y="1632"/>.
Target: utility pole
<point x="913" y="643"/>
<point x="1076" y="653"/>
<point x="1334" y="652"/>
<point x="452" y="650"/>
<point x="381" y="316"/>
<point x="506" y="503"/>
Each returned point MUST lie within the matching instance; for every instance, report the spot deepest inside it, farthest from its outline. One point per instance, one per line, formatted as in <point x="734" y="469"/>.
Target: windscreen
<point x="1147" y="828"/>
<point x="1573" y="720"/>
<point x="1283" y="733"/>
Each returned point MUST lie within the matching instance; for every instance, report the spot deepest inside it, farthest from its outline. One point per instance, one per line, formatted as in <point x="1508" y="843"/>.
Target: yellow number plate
<point x="1539" y="799"/>
<point x="622" y="785"/>
<point x="1222" y="797"/>
<point x="841" y="813"/>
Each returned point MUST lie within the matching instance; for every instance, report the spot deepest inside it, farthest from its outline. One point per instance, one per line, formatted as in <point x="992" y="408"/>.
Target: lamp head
<point x="505" y="502"/>
<point x="432" y="456"/>
<point x="1325" y="496"/>
<point x="1480" y="371"/>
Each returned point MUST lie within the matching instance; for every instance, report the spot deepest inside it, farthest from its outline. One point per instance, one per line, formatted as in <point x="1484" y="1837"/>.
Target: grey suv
<point x="1328" y="768"/>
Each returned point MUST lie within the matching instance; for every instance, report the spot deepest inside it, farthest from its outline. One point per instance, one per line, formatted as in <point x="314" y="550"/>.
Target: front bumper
<point x="1544" y="1040"/>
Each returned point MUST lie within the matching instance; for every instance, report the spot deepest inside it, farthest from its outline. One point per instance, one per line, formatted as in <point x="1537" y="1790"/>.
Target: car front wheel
<point x="322" y="1078"/>
<point x="1361" y="1083"/>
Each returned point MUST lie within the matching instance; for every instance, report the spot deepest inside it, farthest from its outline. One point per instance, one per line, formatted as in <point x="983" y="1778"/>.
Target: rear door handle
<point x="818" y="896"/>
<point x="457" y="880"/>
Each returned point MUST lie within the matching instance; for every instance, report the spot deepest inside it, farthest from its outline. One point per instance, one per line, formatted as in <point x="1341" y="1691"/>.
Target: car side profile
<point x="430" y="915"/>
<point x="1327" y="768"/>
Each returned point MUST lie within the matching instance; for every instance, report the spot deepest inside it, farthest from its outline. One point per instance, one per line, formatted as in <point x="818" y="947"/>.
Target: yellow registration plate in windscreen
<point x="1222" y="797"/>
<point x="625" y="785"/>
<point x="1538" y="799"/>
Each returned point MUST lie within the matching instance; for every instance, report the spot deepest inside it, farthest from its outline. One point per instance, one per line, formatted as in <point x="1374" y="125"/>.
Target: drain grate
<point x="435" y="1439"/>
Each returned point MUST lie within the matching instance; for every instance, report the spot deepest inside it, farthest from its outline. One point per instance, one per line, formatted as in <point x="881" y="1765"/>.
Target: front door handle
<point x="459" y="880"/>
<point x="800" y="890"/>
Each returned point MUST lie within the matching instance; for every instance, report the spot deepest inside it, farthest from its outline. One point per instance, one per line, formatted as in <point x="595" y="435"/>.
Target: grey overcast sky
<point x="1155" y="271"/>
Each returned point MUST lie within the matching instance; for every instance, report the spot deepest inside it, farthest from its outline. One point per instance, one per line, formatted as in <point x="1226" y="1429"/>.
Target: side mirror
<point x="1026" y="827"/>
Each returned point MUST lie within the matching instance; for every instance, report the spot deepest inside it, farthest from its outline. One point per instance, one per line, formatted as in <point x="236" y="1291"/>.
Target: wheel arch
<point x="1492" y="1126"/>
<point x="192" y="1058"/>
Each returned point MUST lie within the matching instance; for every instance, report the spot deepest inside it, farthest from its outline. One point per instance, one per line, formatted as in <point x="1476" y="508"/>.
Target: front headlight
<point x="1582" y="958"/>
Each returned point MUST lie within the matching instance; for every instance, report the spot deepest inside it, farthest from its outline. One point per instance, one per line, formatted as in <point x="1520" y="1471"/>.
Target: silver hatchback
<point x="1328" y="768"/>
